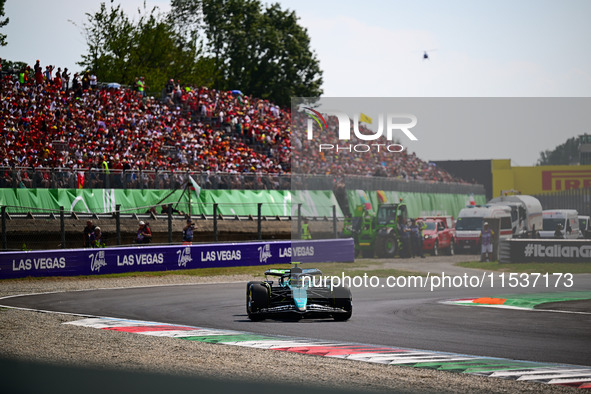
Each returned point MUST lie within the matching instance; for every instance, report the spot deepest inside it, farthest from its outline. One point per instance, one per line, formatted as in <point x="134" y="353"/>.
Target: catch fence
<point x="579" y="199"/>
<point x="68" y="178"/>
<point x="32" y="228"/>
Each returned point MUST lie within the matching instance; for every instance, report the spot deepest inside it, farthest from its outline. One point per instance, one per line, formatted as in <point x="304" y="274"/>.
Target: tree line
<point x="564" y="154"/>
<point x="223" y="44"/>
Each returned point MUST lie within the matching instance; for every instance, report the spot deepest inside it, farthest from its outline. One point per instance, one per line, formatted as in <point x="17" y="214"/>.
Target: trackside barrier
<point x="76" y="262"/>
<point x="545" y="250"/>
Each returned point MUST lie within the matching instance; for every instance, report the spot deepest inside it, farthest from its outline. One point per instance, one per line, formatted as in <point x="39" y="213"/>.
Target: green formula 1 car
<point x="296" y="293"/>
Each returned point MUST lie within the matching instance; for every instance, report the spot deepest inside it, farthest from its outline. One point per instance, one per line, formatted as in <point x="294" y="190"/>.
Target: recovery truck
<point x="376" y="234"/>
<point x="438" y="234"/>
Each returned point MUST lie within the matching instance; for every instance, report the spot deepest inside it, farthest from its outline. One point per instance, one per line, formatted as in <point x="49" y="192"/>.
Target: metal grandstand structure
<point x="68" y="178"/>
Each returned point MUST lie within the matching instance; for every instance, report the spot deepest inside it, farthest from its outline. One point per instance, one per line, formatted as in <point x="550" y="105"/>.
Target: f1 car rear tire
<point x="257" y="298"/>
<point x="342" y="299"/>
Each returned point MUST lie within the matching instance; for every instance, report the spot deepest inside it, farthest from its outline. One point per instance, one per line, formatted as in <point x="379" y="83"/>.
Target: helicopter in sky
<point x="426" y="53"/>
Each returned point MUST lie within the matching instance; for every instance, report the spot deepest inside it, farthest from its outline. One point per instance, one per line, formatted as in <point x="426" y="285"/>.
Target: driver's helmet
<point x="296" y="277"/>
<point x="296" y="280"/>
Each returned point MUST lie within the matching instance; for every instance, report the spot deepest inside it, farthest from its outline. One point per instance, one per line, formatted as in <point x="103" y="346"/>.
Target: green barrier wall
<point x="315" y="203"/>
<point x="418" y="204"/>
<point x="230" y="202"/>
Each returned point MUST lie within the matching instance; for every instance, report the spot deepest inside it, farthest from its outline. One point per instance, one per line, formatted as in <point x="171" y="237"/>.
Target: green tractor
<point x="376" y="234"/>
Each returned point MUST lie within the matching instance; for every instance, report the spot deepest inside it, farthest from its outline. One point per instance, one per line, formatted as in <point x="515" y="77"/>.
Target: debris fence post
<point x="215" y="222"/>
<point x="169" y="213"/>
<point x="4" y="237"/>
<point x="62" y="227"/>
<point x="118" y="223"/>
<point x="334" y="221"/>
<point x="259" y="221"/>
<point x="299" y="232"/>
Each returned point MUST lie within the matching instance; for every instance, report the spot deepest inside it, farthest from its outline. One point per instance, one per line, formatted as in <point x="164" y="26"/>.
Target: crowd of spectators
<point x="367" y="160"/>
<point x="87" y="131"/>
<point x="44" y="125"/>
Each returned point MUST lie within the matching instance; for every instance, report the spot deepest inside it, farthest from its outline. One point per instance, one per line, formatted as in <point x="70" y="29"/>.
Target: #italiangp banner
<point x="315" y="203"/>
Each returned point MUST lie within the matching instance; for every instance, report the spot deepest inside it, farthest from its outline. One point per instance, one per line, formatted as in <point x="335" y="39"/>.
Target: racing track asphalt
<point x="409" y="317"/>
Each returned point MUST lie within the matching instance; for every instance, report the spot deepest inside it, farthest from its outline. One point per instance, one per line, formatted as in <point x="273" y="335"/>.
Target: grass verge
<point x="573" y="268"/>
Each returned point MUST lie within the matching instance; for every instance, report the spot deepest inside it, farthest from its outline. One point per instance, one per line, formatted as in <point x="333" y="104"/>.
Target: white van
<point x="526" y="213"/>
<point x="471" y="219"/>
<point x="568" y="219"/>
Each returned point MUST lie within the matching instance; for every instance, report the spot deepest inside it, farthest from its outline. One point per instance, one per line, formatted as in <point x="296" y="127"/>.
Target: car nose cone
<point x="300" y="298"/>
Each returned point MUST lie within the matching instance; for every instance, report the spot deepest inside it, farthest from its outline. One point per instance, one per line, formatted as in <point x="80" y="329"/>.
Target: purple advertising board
<point x="73" y="262"/>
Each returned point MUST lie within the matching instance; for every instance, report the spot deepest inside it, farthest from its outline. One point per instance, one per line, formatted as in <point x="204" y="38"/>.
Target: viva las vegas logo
<point x="381" y="140"/>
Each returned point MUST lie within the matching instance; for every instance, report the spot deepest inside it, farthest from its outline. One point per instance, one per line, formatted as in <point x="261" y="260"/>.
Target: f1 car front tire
<point x="257" y="298"/>
<point x="342" y="299"/>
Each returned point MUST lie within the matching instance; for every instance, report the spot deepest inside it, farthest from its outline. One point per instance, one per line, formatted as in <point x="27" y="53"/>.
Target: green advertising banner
<point x="418" y="204"/>
<point x="315" y="203"/>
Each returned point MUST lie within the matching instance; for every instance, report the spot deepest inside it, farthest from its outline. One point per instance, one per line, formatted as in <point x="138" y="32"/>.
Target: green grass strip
<point x="531" y="300"/>
<point x="543" y="268"/>
<point x="476" y="365"/>
<point x="230" y="338"/>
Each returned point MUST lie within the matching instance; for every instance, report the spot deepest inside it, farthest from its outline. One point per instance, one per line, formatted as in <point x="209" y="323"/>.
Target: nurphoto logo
<point x="393" y="124"/>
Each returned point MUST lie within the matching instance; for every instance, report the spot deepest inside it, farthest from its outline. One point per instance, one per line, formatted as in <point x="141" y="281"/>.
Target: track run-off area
<point x="534" y="333"/>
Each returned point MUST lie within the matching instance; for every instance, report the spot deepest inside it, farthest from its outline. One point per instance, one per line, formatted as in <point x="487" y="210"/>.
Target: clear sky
<point x="370" y="48"/>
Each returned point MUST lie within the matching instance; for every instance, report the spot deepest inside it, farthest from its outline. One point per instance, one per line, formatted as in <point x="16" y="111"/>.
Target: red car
<point x="438" y="234"/>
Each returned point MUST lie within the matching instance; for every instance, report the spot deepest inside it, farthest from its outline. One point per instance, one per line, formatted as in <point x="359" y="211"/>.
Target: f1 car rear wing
<point x="287" y="272"/>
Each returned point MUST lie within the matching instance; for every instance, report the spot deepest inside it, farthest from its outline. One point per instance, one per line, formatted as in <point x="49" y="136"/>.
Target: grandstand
<point x="66" y="138"/>
<point x="110" y="138"/>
